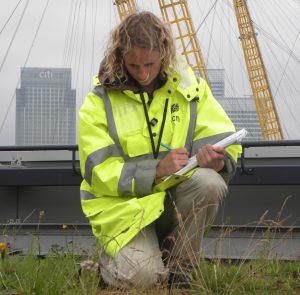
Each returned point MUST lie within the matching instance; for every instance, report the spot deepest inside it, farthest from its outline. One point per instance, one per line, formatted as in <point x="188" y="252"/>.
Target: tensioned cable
<point x="229" y="34"/>
<point x="75" y="35"/>
<point x="14" y="35"/>
<point x="234" y="50"/>
<point x="285" y="47"/>
<point x="287" y="63"/>
<point x="229" y="81"/>
<point x="266" y="20"/>
<point x="289" y="80"/>
<point x="7" y="21"/>
<point x="82" y="47"/>
<point x="270" y="49"/>
<point x="291" y="54"/>
<point x="68" y="35"/>
<point x="292" y="11"/>
<point x="77" y="45"/>
<point x="203" y="21"/>
<point x="238" y="103"/>
<point x="78" y="58"/>
<point x="287" y="17"/>
<point x="94" y="25"/>
<point x="68" y="39"/>
<point x="210" y="39"/>
<point x="26" y="60"/>
<point x="287" y="105"/>
<point x="208" y="13"/>
<point x="276" y="42"/>
<point x="72" y="32"/>
<point x="281" y="67"/>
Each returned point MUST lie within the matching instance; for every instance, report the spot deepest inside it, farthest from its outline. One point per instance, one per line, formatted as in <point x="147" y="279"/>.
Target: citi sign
<point x="47" y="74"/>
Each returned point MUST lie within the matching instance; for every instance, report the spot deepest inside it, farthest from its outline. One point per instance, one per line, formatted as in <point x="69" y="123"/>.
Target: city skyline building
<point x="45" y="107"/>
<point x="241" y="110"/>
<point x="217" y="84"/>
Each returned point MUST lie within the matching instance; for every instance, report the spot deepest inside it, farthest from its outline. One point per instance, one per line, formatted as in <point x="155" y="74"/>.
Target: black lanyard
<point x="155" y="151"/>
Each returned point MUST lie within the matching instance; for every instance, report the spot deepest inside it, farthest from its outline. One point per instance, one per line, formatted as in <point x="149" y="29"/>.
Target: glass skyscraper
<point x="241" y="110"/>
<point x="216" y="79"/>
<point x="45" y="107"/>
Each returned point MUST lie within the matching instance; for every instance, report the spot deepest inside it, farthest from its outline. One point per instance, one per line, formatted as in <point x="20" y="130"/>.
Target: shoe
<point x="179" y="281"/>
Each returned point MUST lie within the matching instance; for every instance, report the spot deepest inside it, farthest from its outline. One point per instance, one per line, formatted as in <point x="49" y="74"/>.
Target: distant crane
<point x="183" y="25"/>
<point x="265" y="107"/>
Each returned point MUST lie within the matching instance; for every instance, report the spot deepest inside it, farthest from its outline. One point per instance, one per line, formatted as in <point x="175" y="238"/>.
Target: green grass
<point x="60" y="273"/>
<point x="253" y="277"/>
<point x="56" y="274"/>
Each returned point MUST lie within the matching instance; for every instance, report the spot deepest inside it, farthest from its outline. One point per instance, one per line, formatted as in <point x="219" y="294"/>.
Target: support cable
<point x="26" y="60"/>
<point x="14" y="35"/>
<point x="10" y="17"/>
<point x="284" y="71"/>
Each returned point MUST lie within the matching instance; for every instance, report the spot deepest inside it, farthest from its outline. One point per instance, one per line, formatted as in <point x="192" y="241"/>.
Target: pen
<point x="166" y="146"/>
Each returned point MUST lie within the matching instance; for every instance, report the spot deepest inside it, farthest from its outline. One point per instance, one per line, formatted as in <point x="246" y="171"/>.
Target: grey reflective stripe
<point x="84" y="195"/>
<point x="192" y="124"/>
<point x="145" y="174"/>
<point x="97" y="158"/>
<point x="112" y="129"/>
<point x="208" y="140"/>
<point x="125" y="181"/>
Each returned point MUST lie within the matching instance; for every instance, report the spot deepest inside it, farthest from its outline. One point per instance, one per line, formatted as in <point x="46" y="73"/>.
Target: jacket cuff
<point x="229" y="168"/>
<point x="145" y="176"/>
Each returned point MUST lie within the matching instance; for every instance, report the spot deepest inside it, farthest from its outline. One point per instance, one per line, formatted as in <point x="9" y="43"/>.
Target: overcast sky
<point x="73" y="33"/>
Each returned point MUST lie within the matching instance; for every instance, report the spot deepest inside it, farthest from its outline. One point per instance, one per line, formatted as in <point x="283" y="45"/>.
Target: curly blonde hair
<point x="143" y="30"/>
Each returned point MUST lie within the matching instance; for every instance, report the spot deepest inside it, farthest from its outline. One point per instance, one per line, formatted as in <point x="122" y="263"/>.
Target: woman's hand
<point x="172" y="162"/>
<point x="211" y="157"/>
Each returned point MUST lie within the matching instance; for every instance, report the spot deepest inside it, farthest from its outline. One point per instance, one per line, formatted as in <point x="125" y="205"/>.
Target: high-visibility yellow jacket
<point x="116" y="155"/>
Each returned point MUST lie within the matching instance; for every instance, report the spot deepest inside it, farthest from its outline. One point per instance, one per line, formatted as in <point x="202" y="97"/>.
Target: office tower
<point x="241" y="110"/>
<point x="45" y="107"/>
<point x="216" y="79"/>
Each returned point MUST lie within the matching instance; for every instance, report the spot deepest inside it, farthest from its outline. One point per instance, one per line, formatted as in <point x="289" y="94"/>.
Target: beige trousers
<point x="173" y="243"/>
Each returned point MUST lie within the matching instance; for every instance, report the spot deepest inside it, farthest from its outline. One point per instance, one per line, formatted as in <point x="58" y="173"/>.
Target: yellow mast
<point x="182" y="26"/>
<point x="125" y="7"/>
<point x="265" y="107"/>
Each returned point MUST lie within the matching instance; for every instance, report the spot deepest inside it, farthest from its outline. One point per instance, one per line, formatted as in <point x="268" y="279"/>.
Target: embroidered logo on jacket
<point x="175" y="108"/>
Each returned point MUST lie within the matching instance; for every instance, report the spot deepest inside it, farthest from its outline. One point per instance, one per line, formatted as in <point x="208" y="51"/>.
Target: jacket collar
<point x="181" y="78"/>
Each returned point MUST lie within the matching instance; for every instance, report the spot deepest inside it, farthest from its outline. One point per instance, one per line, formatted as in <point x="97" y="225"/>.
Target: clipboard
<point x="185" y="172"/>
